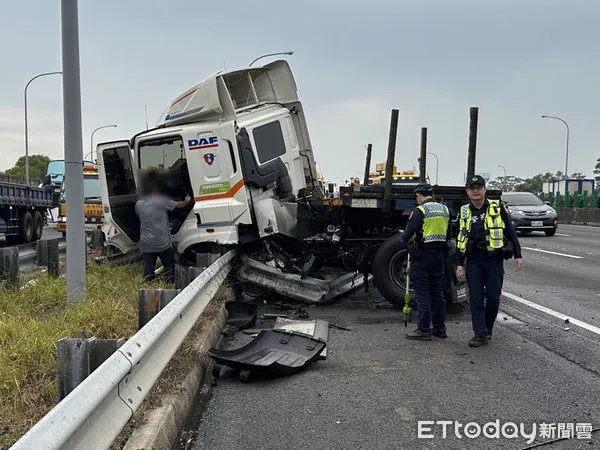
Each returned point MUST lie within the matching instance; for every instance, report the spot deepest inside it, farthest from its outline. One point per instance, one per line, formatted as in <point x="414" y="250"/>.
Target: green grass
<point x="34" y="318"/>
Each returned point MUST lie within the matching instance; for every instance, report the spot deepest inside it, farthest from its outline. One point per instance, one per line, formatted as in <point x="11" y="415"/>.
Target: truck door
<point x="118" y="188"/>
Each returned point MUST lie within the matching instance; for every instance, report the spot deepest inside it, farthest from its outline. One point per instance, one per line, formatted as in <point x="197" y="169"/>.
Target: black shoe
<point x="418" y="335"/>
<point x="478" y="340"/>
<point x="489" y="335"/>
<point x="440" y="334"/>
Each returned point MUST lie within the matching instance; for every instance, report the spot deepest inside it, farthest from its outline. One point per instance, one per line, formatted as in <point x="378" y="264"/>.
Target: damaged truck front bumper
<point x="305" y="289"/>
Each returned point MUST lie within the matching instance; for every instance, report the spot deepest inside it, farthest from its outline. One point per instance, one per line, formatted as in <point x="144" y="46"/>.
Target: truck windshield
<point x="524" y="199"/>
<point x="91" y="187"/>
<point x="162" y="153"/>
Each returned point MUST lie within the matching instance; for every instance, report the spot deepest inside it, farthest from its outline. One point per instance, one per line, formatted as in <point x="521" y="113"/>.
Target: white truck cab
<point x="237" y="143"/>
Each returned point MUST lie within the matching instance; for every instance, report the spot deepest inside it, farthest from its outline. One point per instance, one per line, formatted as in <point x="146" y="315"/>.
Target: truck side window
<point x="269" y="141"/>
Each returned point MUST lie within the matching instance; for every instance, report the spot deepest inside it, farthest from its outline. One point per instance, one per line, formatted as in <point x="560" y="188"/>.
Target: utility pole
<point x="76" y="245"/>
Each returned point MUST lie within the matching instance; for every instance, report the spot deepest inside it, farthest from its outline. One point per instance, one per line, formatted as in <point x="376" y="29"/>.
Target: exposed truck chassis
<point x="354" y="235"/>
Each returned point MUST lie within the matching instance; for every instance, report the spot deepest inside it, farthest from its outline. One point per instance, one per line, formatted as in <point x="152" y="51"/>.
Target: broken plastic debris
<point x="566" y="329"/>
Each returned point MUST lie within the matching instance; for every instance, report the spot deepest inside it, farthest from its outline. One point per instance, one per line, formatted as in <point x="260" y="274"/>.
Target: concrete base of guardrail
<point x="579" y="216"/>
<point x="162" y="425"/>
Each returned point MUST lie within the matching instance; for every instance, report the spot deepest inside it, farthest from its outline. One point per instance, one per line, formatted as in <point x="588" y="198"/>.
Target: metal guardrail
<point x="96" y="411"/>
<point x="28" y="253"/>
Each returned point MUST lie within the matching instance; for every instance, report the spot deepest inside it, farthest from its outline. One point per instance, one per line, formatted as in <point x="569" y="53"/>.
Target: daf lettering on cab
<point x="238" y="143"/>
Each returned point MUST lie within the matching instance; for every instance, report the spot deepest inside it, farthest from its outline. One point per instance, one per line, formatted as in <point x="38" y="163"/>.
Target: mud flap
<point x="272" y="353"/>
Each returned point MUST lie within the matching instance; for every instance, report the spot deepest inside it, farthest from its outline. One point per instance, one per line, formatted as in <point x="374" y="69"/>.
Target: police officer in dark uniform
<point x="427" y="234"/>
<point x="486" y="238"/>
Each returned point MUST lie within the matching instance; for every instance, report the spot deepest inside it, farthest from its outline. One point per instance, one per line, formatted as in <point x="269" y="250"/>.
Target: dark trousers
<point x="167" y="258"/>
<point x="426" y="275"/>
<point x="485" y="275"/>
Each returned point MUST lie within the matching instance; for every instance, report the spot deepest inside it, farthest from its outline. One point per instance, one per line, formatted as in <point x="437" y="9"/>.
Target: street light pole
<point x="504" y="174"/>
<point x="92" y="139"/>
<point x="270" y="54"/>
<point x="567" y="151"/>
<point x="26" y="129"/>
<point x="437" y="165"/>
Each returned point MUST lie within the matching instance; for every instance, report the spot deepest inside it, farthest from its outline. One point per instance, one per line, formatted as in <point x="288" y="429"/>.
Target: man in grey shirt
<point x="155" y="233"/>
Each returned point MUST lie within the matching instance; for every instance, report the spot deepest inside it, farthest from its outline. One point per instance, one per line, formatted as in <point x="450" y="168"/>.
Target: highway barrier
<point x="97" y="410"/>
<point x="579" y="215"/>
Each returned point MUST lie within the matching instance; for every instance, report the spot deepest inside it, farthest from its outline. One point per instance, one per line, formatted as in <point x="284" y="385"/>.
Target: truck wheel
<point x="389" y="267"/>
<point x="26" y="227"/>
<point x="38" y="225"/>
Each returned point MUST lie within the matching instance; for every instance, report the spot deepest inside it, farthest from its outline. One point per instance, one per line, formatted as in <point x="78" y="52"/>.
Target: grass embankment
<point x="34" y="318"/>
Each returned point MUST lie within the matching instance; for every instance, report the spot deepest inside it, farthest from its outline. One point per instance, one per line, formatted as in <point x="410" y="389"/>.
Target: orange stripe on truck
<point x="230" y="193"/>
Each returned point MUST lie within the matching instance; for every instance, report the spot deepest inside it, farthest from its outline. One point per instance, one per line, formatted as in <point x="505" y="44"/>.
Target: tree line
<point x="535" y="184"/>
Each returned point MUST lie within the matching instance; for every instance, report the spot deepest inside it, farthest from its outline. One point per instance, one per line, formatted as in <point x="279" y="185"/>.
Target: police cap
<point x="423" y="188"/>
<point x="473" y="180"/>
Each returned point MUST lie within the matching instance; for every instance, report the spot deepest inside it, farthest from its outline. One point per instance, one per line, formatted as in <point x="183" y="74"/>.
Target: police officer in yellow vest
<point x="427" y="235"/>
<point x="486" y="238"/>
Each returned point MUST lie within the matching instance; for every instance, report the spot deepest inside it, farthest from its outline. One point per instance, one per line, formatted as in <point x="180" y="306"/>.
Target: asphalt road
<point x="567" y="279"/>
<point x="375" y="385"/>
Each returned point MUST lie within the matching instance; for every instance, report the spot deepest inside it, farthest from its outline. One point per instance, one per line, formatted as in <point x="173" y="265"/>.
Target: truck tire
<point x="26" y="227"/>
<point x="389" y="264"/>
<point x="38" y="225"/>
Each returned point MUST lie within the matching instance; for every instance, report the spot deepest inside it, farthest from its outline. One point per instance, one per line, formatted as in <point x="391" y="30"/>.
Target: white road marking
<point x="551" y="312"/>
<point x="565" y="235"/>
<point x="552" y="253"/>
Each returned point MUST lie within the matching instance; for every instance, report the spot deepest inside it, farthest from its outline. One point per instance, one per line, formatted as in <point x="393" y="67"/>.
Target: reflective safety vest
<point x="493" y="224"/>
<point x="435" y="222"/>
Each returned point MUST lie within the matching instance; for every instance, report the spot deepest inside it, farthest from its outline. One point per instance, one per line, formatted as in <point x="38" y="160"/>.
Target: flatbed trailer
<point x="23" y="210"/>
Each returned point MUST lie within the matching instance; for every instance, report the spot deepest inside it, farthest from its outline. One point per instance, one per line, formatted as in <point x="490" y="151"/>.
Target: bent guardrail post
<point x="98" y="409"/>
<point x="9" y="266"/>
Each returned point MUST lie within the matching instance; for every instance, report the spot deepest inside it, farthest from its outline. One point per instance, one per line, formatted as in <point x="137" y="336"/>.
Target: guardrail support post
<point x="53" y="260"/>
<point x="41" y="248"/>
<point x="97" y="241"/>
<point x="152" y="301"/>
<point x="78" y="358"/>
<point x="73" y="363"/>
<point x="184" y="275"/>
<point x="9" y="266"/>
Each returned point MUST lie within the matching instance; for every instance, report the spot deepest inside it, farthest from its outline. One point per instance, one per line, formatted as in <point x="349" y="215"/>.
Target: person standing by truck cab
<point x="486" y="237"/>
<point x="427" y="235"/>
<point x="155" y="232"/>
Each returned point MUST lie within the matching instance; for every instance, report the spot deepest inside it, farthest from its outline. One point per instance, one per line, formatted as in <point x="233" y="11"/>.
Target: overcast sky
<point x="354" y="61"/>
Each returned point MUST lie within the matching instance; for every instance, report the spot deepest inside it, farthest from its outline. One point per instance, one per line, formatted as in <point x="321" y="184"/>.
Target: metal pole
<point x="567" y="150"/>
<point x="26" y="127"/>
<point x="437" y="165"/>
<point x="92" y="140"/>
<point x="76" y="248"/>
<point x="474" y="117"/>
<point x="270" y="54"/>
<point x="368" y="164"/>
<point x="389" y="166"/>
<point x="423" y="158"/>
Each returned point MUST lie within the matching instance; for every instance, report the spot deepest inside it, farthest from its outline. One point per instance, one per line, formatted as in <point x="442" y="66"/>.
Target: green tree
<point x="506" y="184"/>
<point x="38" y="164"/>
<point x="597" y="172"/>
<point x="578" y="176"/>
<point x="535" y="184"/>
